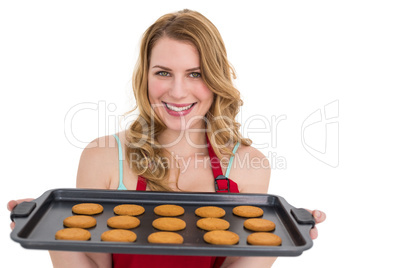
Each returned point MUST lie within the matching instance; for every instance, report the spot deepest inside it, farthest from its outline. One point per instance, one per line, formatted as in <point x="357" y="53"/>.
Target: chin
<point x="184" y="126"/>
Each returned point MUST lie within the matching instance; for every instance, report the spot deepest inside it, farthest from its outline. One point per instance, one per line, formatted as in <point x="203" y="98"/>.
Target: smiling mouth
<point x="178" y="108"/>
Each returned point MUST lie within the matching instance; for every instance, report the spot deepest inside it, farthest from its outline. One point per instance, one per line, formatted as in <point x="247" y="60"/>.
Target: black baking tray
<point x="36" y="222"/>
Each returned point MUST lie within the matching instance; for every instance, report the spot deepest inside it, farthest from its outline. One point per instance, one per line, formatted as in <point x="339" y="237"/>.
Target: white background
<point x="291" y="57"/>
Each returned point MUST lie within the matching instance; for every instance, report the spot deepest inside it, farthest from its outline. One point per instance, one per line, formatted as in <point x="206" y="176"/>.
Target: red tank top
<point x="222" y="185"/>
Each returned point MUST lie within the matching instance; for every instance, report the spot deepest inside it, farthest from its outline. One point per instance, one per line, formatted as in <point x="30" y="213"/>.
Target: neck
<point x="183" y="143"/>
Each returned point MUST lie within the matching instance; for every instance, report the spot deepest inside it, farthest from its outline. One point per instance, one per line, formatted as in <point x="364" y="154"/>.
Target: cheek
<point x="205" y="94"/>
<point x="156" y="89"/>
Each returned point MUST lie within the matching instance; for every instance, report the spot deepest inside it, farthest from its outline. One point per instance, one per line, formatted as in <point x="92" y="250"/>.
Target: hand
<point x="11" y="205"/>
<point x="319" y="217"/>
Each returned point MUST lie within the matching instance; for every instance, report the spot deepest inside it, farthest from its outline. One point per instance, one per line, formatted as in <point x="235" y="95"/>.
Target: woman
<point x="185" y="136"/>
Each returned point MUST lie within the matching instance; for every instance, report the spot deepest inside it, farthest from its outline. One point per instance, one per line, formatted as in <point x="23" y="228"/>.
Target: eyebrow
<point x="168" y="69"/>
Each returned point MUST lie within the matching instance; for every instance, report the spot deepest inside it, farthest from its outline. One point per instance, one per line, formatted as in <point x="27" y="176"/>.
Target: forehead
<point x="174" y="54"/>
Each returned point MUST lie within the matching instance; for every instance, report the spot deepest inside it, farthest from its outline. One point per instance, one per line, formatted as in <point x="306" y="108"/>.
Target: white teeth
<point x="178" y="109"/>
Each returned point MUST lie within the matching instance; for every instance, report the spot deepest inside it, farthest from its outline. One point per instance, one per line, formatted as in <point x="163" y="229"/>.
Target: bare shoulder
<point x="98" y="164"/>
<point x="251" y="170"/>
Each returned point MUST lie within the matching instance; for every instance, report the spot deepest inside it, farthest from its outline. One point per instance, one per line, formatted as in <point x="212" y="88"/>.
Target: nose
<point x="178" y="89"/>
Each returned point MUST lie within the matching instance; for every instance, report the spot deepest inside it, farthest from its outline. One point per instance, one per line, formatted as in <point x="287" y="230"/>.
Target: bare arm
<point x="257" y="173"/>
<point x="94" y="171"/>
<point x="252" y="177"/>
<point x="66" y="259"/>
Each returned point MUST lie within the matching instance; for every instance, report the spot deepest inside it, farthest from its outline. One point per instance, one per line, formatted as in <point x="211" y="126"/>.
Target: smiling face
<point x="176" y="89"/>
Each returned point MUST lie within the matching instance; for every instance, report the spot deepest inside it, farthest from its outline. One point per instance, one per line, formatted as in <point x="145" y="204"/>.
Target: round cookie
<point x="264" y="239"/>
<point x="169" y="210"/>
<point x="259" y="225"/>
<point x="165" y="238"/>
<point x="129" y="210"/>
<point x="210" y="224"/>
<point x="123" y="222"/>
<point x="169" y="224"/>
<point x="220" y="237"/>
<point x="87" y="209"/>
<point x="248" y="211"/>
<point x="79" y="221"/>
<point x="210" y="212"/>
<point x="73" y="234"/>
<point x="119" y="235"/>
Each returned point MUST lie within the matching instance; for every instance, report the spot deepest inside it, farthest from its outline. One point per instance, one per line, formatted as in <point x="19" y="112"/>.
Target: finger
<point x="314" y="233"/>
<point x="12" y="225"/>
<point x="24" y="200"/>
<point x="319" y="216"/>
<point x="11" y="204"/>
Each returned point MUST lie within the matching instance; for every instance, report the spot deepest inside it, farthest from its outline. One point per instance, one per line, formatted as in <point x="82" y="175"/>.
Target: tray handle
<point x="22" y="210"/>
<point x="302" y="216"/>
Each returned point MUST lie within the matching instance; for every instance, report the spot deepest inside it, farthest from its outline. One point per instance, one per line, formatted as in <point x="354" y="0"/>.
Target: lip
<point x="181" y="113"/>
<point x="178" y="105"/>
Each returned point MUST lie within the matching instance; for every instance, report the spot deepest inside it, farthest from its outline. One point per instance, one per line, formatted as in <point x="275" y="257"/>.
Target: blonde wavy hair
<point x="146" y="156"/>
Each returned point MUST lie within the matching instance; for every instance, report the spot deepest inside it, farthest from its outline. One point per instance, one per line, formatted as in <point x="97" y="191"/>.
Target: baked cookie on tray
<point x="87" y="209"/>
<point x="79" y="221"/>
<point x="165" y="238"/>
<point x="248" y="211"/>
<point x="259" y="225"/>
<point x="73" y="234"/>
<point x="210" y="224"/>
<point x="220" y="237"/>
<point x="264" y="239"/>
<point x="169" y="224"/>
<point x="210" y="212"/>
<point x="119" y="235"/>
<point x="169" y="210"/>
<point x="129" y="210"/>
<point x="123" y="222"/>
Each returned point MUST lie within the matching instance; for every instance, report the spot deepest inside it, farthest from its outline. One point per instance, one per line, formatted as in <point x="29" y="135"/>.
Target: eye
<point x="195" y="75"/>
<point x="163" y="73"/>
